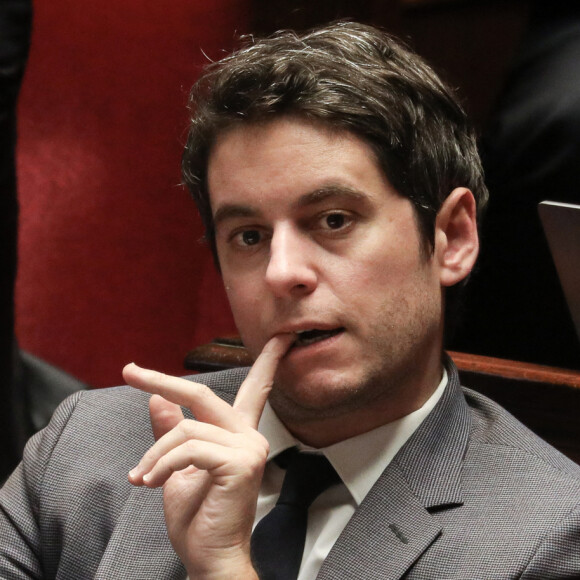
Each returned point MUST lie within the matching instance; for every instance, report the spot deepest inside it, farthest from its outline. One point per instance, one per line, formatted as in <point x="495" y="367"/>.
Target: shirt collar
<point x="359" y="460"/>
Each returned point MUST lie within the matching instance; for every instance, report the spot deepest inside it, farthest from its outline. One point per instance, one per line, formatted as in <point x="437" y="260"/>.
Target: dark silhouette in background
<point x="30" y="388"/>
<point x="515" y="307"/>
<point x="15" y="24"/>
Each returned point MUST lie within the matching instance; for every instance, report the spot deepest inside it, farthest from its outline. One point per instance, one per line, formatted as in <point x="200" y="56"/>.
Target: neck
<point x="323" y="429"/>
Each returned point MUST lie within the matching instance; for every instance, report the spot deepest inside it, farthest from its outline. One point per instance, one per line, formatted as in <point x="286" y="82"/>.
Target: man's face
<point x="312" y="237"/>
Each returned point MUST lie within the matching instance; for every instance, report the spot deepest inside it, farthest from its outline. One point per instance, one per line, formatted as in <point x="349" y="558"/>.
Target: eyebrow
<point x="232" y="211"/>
<point x="330" y="191"/>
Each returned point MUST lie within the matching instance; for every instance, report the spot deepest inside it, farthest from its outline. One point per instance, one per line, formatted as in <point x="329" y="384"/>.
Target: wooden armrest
<point x="220" y="354"/>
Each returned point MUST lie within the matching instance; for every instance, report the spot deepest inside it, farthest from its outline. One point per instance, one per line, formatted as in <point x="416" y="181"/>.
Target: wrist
<point x="232" y="567"/>
<point x="236" y="573"/>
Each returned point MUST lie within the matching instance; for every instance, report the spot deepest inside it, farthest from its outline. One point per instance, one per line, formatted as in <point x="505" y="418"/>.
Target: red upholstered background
<point x="111" y="267"/>
<point x="110" y="264"/>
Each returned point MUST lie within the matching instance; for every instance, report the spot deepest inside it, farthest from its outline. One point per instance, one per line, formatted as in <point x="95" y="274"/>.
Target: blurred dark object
<point x="38" y="388"/>
<point x="43" y="387"/>
<point x="15" y="24"/>
<point x="515" y="307"/>
<point x="30" y="389"/>
<point x="470" y="43"/>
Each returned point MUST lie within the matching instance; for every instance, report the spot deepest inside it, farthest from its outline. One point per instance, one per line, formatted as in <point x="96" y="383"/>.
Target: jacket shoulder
<point x="494" y="426"/>
<point x="72" y="483"/>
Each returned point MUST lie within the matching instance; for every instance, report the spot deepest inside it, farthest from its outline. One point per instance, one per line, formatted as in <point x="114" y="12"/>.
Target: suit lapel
<point x="389" y="531"/>
<point x="393" y="526"/>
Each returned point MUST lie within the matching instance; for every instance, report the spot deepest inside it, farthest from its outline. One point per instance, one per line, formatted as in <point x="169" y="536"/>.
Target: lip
<point x="315" y="347"/>
<point x="307" y="325"/>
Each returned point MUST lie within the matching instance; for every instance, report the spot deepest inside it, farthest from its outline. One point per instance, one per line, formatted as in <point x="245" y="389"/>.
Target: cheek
<point x="241" y="300"/>
<point x="245" y="304"/>
<point x="380" y="269"/>
<point x="388" y="277"/>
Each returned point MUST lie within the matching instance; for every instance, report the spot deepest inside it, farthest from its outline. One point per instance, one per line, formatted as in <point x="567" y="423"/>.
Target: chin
<point x="316" y="382"/>
<point x="318" y="394"/>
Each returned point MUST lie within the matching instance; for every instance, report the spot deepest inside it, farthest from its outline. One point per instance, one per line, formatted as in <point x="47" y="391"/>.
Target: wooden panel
<point x="223" y="353"/>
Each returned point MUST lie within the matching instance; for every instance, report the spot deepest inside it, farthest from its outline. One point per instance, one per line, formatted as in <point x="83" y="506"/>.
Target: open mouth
<point x="306" y="337"/>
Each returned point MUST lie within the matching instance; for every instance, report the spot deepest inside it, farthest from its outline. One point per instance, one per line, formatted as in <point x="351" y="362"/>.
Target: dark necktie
<point x="278" y="538"/>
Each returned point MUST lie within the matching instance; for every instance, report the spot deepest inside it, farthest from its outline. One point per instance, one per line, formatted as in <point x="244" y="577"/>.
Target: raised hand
<point x="210" y="468"/>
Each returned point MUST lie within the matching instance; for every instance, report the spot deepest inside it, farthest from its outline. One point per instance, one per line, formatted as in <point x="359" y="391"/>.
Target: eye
<point x="250" y="237"/>
<point x="247" y="238"/>
<point x="335" y="221"/>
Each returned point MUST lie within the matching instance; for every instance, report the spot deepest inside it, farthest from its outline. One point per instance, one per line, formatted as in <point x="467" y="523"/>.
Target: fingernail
<point x="134" y="368"/>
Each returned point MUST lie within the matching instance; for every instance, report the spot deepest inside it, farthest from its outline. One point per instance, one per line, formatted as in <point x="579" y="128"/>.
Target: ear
<point x="456" y="240"/>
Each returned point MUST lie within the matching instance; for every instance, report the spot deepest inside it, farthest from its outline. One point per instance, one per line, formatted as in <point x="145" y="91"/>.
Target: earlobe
<point x="456" y="239"/>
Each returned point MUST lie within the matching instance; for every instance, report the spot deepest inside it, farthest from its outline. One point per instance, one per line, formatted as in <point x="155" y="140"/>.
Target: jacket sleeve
<point x="22" y="549"/>
<point x="558" y="555"/>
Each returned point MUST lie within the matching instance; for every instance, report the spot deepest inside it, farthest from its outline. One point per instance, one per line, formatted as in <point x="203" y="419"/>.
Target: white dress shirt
<point x="359" y="462"/>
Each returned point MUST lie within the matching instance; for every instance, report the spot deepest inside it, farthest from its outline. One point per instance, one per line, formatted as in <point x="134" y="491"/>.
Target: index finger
<point x="205" y="405"/>
<point x="253" y="393"/>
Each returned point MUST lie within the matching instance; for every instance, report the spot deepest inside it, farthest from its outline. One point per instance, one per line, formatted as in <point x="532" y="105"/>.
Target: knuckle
<point x="187" y="428"/>
<point x="254" y="453"/>
<point x="204" y="393"/>
<point x="150" y="455"/>
<point x="256" y="466"/>
<point x="190" y="445"/>
<point x="266" y="385"/>
<point x="259" y="441"/>
<point x="161" y="378"/>
<point x="163" y="464"/>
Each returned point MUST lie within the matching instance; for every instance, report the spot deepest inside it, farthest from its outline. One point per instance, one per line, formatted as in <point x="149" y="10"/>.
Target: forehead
<point x="274" y="162"/>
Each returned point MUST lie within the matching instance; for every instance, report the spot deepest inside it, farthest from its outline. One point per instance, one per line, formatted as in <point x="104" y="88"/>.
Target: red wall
<point x="110" y="265"/>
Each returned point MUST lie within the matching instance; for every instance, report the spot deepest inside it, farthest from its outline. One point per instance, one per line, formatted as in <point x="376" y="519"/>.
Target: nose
<point x="291" y="270"/>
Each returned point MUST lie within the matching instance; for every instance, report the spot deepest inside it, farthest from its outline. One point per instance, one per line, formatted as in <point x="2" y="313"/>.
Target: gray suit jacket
<point x="472" y="495"/>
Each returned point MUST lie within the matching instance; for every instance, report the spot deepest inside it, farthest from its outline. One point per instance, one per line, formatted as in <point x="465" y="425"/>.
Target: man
<point x="339" y="184"/>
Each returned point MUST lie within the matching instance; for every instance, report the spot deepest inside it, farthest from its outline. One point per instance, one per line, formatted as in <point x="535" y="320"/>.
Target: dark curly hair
<point x="350" y="77"/>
